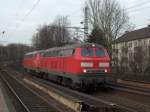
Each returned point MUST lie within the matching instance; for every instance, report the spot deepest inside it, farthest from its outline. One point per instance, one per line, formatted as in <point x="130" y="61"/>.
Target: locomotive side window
<point x="67" y="52"/>
<point x="56" y="53"/>
<point x="100" y="52"/>
<point x="48" y="54"/>
<point x="26" y="56"/>
<point x="29" y="55"/>
<point x="87" y="52"/>
<point x="42" y="53"/>
<point x="73" y="51"/>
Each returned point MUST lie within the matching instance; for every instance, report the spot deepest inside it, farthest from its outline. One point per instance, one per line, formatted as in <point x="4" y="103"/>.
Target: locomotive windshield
<point x="93" y="52"/>
<point x="87" y="52"/>
<point x="100" y="52"/>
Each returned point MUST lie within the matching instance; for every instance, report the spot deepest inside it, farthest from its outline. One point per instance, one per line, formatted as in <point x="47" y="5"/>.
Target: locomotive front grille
<point x="95" y="71"/>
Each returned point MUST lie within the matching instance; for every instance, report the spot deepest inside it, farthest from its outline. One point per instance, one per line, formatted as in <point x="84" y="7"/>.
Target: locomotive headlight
<point x="105" y="70"/>
<point x="104" y="65"/>
<point x="86" y="64"/>
<point x="84" y="70"/>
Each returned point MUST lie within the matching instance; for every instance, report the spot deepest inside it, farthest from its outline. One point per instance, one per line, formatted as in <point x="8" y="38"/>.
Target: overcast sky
<point x="20" y="25"/>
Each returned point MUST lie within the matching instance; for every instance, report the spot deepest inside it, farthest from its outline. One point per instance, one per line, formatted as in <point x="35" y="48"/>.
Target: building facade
<point x="131" y="51"/>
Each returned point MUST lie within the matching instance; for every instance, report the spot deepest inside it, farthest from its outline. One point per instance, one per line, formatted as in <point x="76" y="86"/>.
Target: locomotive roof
<point x="74" y="46"/>
<point x="67" y="47"/>
<point x="34" y="52"/>
<point x="83" y="45"/>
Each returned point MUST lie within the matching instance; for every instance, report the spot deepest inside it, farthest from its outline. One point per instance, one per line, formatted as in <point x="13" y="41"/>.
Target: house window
<point x="135" y="43"/>
<point x="130" y="45"/>
<point x="125" y="44"/>
<point x="144" y="43"/>
<point x="139" y="42"/>
<point x="130" y="55"/>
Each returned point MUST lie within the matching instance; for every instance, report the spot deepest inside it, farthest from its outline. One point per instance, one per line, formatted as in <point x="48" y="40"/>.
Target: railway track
<point x="125" y="100"/>
<point x="89" y="98"/>
<point x="28" y="100"/>
<point x="136" y="87"/>
<point x="137" y="81"/>
<point x="128" y="96"/>
<point x="93" y="103"/>
<point x="131" y="89"/>
<point x="73" y="100"/>
<point x="121" y="103"/>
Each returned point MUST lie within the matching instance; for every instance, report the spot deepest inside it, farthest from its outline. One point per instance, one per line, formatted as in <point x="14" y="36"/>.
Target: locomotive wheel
<point x="67" y="82"/>
<point x="59" y="79"/>
<point x="45" y="76"/>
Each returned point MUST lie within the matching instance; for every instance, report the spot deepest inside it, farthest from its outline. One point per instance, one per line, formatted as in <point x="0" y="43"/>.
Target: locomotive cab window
<point x="87" y="52"/>
<point x="100" y="52"/>
<point x="68" y="52"/>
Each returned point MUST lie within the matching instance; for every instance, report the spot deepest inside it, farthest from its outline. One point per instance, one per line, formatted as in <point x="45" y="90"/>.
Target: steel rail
<point x="25" y="95"/>
<point x="131" y="89"/>
<point x="84" y="97"/>
<point x="13" y="91"/>
<point x="87" y="102"/>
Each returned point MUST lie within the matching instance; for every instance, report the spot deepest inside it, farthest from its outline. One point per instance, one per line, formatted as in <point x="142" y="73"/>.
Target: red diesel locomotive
<point x="75" y="65"/>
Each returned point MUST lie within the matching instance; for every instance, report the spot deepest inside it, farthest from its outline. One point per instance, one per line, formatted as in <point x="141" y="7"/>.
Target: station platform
<point x="3" y="105"/>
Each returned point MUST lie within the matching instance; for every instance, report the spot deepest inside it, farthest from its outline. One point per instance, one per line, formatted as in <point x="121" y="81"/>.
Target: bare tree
<point x="35" y="41"/>
<point x="55" y="34"/>
<point x="13" y="53"/>
<point x="62" y="35"/>
<point x="109" y="17"/>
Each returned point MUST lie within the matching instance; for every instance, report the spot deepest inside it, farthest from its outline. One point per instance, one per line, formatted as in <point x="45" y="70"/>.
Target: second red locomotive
<point x="75" y="65"/>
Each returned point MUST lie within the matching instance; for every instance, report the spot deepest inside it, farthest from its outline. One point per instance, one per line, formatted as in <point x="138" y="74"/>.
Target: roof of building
<point x="135" y="35"/>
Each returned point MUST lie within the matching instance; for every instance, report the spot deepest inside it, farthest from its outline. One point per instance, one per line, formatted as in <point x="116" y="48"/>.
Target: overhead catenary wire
<point x="141" y="25"/>
<point x="138" y="5"/>
<point x="75" y="12"/>
<point x="136" y="9"/>
<point x="30" y="11"/>
<point x="20" y="5"/>
<point x="27" y="14"/>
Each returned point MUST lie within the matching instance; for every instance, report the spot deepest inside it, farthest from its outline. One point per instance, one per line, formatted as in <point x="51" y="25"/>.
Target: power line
<point x="20" y="5"/>
<point x="135" y="7"/>
<point x="30" y="11"/>
<point x="142" y="25"/>
<point x="138" y="5"/>
<point x="27" y="14"/>
<point x="86" y="22"/>
<point x="137" y="10"/>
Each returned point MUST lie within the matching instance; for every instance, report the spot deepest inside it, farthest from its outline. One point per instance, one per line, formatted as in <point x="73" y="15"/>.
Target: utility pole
<point x="86" y="22"/>
<point x="1" y="47"/>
